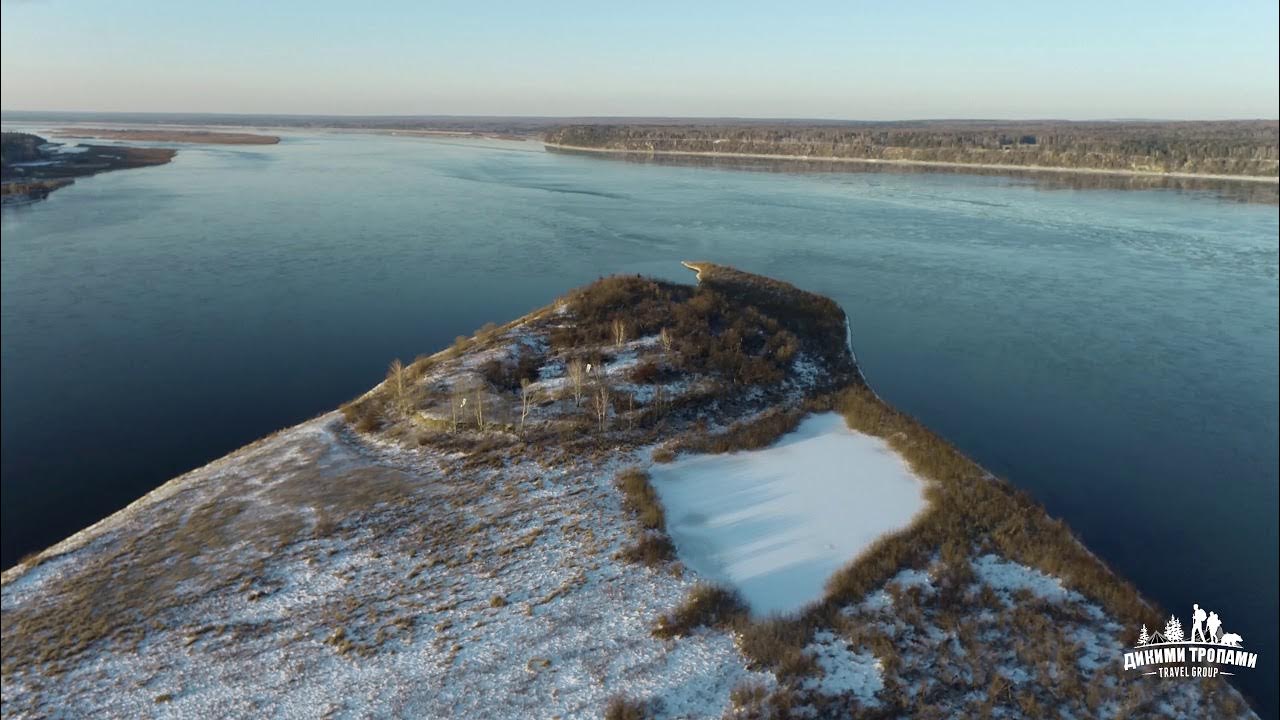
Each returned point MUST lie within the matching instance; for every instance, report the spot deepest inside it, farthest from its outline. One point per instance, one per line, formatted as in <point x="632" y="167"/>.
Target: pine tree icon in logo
<point x="1173" y="630"/>
<point x="1143" y="637"/>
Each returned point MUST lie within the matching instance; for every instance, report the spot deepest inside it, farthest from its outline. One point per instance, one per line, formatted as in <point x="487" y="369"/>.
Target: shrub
<point x="645" y="372"/>
<point x="363" y="414"/>
<point x="506" y="376"/>
<point x="496" y="373"/>
<point x="705" y="606"/>
<point x="621" y="707"/>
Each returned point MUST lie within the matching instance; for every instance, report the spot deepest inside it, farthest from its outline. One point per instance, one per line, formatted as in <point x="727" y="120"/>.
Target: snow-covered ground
<point x="776" y="523"/>
<point x="526" y="614"/>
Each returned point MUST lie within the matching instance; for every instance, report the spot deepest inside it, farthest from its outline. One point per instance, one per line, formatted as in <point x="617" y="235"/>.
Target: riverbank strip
<point x="917" y="163"/>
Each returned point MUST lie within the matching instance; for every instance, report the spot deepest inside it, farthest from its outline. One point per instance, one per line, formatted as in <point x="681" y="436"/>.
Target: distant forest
<point x="1246" y="147"/>
<point x="1227" y="147"/>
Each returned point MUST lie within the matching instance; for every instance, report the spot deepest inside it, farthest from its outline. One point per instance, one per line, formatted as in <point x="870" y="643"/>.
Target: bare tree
<point x="665" y="336"/>
<point x="619" y="331"/>
<point x="602" y="397"/>
<point x="479" y="405"/>
<point x="528" y="397"/>
<point x="577" y="379"/>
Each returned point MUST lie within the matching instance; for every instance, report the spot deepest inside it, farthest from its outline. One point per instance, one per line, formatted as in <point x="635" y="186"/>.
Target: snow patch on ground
<point x="844" y="671"/>
<point x="1008" y="576"/>
<point x="777" y="522"/>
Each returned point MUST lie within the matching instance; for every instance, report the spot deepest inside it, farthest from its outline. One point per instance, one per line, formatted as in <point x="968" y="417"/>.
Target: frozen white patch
<point x="777" y="522"/>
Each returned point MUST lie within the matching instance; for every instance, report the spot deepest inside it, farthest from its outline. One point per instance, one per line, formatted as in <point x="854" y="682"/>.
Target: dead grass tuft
<point x="651" y="549"/>
<point x="640" y="499"/>
<point x="621" y="707"/>
<point x="705" y="606"/>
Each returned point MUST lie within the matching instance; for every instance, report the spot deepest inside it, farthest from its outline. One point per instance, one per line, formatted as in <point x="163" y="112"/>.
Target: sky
<point x="844" y="59"/>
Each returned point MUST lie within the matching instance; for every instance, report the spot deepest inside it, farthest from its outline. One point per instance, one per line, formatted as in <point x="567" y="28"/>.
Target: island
<point x="645" y="499"/>
<point x="204" y="137"/>
<point x="31" y="167"/>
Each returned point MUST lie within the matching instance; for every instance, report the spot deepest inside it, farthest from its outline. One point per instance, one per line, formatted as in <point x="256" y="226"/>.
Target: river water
<point x="1112" y="352"/>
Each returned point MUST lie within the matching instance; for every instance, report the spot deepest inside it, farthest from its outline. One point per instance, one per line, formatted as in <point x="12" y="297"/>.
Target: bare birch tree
<point x="664" y="335"/>
<point x="479" y="405"/>
<point x="528" y="397"/>
<point x="602" y="397"/>
<point x="577" y="379"/>
<point x="619" y="331"/>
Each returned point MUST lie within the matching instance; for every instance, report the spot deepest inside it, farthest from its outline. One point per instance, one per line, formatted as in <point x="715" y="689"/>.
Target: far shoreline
<point x="556" y="147"/>
<point x="195" y="136"/>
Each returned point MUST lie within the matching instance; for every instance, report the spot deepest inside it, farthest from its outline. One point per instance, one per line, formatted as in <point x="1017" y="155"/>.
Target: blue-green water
<point x="1112" y="352"/>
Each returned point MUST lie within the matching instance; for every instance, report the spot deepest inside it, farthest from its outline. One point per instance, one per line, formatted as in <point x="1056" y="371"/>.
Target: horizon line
<point x="747" y="118"/>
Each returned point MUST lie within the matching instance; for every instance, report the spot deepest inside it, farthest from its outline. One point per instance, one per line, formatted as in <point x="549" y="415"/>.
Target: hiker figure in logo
<point x="1215" y="627"/>
<point x="1197" y="627"/>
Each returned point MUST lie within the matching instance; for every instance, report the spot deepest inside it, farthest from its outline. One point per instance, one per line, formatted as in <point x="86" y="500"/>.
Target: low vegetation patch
<point x="761" y="431"/>
<point x="364" y="414"/>
<point x="621" y="707"/>
<point x="705" y="606"/>
<point x="640" y="499"/>
<point x="652" y="547"/>
<point x="663" y="455"/>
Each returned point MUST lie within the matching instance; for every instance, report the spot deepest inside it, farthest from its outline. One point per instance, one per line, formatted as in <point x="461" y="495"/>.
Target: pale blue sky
<point x="839" y="59"/>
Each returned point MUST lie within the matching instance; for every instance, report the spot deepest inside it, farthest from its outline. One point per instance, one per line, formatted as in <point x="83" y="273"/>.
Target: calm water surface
<point x="1114" y="353"/>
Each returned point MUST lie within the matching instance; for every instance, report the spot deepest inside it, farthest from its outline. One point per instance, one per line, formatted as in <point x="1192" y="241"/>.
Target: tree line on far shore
<point x="1246" y="147"/>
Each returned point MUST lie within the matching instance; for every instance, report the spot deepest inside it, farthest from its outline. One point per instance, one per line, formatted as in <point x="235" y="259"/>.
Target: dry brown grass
<point x="650" y="548"/>
<point x="663" y="455"/>
<point x="132" y="582"/>
<point x="640" y="499"/>
<point x="748" y="700"/>
<point x="705" y="606"/>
